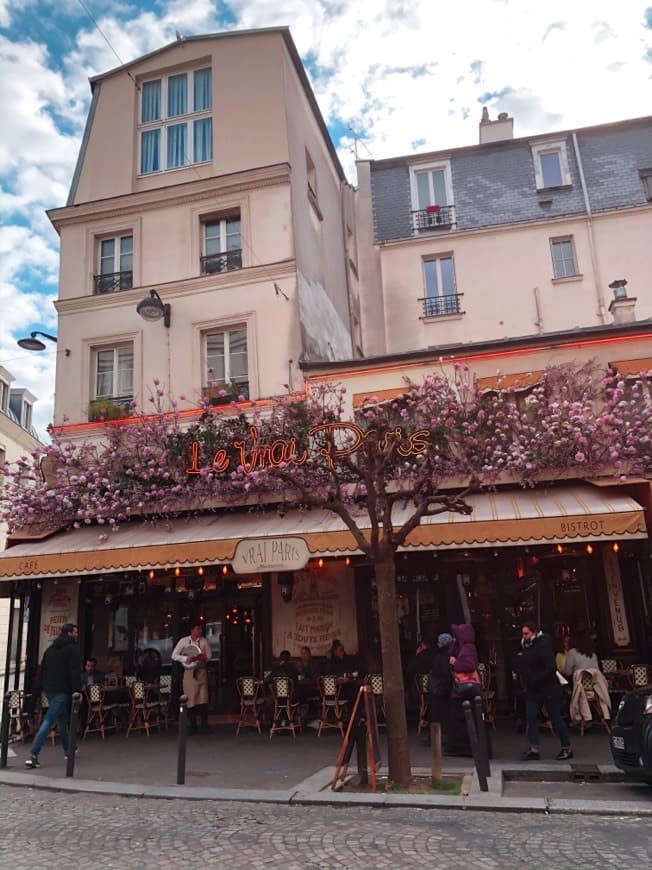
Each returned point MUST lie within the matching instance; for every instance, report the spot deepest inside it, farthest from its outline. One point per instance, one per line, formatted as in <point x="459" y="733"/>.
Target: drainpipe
<point x="537" y="302"/>
<point x="602" y="309"/>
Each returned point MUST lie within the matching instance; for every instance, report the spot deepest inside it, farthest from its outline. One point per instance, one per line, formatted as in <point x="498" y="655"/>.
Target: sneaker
<point x="565" y="754"/>
<point x="32" y="761"/>
<point x="531" y="755"/>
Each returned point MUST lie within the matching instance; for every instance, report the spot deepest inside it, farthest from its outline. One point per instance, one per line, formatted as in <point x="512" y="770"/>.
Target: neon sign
<point x="254" y="455"/>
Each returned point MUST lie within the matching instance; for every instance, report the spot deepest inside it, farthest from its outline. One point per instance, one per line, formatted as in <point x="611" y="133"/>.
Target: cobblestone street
<point x="54" y="830"/>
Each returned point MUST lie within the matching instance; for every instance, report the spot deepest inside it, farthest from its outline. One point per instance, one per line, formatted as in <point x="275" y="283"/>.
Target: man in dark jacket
<point x="542" y="688"/>
<point x="60" y="677"/>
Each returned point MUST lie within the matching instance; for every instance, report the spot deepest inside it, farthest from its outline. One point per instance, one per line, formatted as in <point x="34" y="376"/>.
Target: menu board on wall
<point x="322" y="609"/>
<point x="59" y="606"/>
<point x="619" y="623"/>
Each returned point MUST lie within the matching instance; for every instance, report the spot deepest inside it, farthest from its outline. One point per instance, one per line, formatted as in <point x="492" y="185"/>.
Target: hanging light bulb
<point x="151" y="575"/>
<point x="320" y="563"/>
<point x="615" y="547"/>
<point x="347" y="561"/>
<point x="560" y="549"/>
<point x="200" y="571"/>
<point x="177" y="571"/>
<point x="589" y="549"/>
<point x="225" y="570"/>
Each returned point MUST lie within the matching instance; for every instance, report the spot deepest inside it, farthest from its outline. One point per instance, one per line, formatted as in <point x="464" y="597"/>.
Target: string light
<point x="589" y="549"/>
<point x="347" y="561"/>
<point x="151" y="575"/>
<point x="177" y="571"/>
<point x="615" y="547"/>
<point x="560" y="549"/>
<point x="225" y="570"/>
<point x="200" y="571"/>
<point x="320" y="563"/>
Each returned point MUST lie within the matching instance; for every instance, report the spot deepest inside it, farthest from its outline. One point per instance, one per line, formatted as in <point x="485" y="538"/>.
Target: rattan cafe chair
<point x="285" y="707"/>
<point x="332" y="708"/>
<point x="251" y="703"/>
<point x="101" y="716"/>
<point x="378" y="691"/>
<point x="144" y="714"/>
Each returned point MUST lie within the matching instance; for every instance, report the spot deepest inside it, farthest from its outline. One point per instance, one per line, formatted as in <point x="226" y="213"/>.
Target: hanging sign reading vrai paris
<point x="260" y="555"/>
<point x="342" y="439"/>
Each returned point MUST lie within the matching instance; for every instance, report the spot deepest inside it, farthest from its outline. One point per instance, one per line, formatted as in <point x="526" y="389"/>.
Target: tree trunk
<point x="397" y="732"/>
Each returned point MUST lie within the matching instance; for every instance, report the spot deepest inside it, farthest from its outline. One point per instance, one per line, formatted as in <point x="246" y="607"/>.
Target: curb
<point x="308" y="794"/>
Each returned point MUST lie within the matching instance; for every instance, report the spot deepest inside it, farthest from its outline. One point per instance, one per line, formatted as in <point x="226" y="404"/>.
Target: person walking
<point x="60" y="677"/>
<point x="194" y="653"/>
<point x="542" y="688"/>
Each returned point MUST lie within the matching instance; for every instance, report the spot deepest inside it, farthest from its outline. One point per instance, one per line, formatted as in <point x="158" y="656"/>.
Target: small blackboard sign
<point x="363" y="723"/>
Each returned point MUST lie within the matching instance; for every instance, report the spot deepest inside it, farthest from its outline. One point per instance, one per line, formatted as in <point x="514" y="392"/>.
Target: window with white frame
<point x="551" y="167"/>
<point x="432" y="196"/>
<point x="176" y="128"/>
<point x="221" y="244"/>
<point x="115" y="261"/>
<point x="4" y="396"/>
<point x="441" y="288"/>
<point x="564" y="264"/>
<point x="114" y="373"/>
<point x="226" y="366"/>
<point x="26" y="416"/>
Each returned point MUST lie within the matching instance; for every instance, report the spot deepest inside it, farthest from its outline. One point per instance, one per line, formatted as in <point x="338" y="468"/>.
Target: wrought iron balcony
<point x="440" y="306"/>
<point x="434" y="217"/>
<point x="113" y="282"/>
<point x="109" y="408"/>
<point x="225" y="262"/>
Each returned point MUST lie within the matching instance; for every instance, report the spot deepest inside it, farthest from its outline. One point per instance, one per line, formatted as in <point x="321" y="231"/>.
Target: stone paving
<point x="48" y="831"/>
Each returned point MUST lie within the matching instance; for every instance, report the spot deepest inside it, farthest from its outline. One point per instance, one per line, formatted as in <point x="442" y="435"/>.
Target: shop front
<point x="573" y="558"/>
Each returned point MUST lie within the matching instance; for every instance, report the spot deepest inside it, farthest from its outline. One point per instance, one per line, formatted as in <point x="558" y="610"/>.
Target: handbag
<point x="466" y="684"/>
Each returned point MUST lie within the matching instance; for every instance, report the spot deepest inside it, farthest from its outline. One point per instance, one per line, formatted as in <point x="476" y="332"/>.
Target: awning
<point x="509" y="518"/>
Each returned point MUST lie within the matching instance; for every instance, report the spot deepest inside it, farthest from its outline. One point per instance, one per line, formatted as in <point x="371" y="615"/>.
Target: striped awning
<point x="507" y="518"/>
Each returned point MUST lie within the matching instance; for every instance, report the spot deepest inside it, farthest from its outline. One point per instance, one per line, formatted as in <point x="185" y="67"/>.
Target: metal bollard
<point x="4" y="732"/>
<point x="473" y="738"/>
<point x="183" y="739"/>
<point x="72" y="734"/>
<point x="482" y="735"/>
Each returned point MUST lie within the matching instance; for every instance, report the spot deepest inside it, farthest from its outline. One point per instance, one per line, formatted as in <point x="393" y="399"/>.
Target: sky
<point x="391" y="77"/>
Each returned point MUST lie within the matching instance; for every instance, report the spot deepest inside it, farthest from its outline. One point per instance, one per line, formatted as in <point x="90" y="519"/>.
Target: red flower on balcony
<point x="433" y="209"/>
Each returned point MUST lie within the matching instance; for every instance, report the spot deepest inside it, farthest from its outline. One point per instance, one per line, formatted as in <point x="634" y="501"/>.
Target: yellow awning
<point x="509" y="518"/>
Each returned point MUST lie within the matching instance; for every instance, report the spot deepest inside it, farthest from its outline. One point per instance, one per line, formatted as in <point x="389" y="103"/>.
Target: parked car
<point x="631" y="735"/>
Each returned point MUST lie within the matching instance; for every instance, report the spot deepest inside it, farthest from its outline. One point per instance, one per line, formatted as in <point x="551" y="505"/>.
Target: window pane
<point x="439" y="187"/>
<point x="563" y="259"/>
<point x="150" y="160"/>
<point x="176" y="145"/>
<point x="551" y="169"/>
<point x="125" y="371"/>
<point x="213" y="231"/>
<point x="104" y="378"/>
<point x="126" y="253"/>
<point x="430" y="272"/>
<point x="107" y="256"/>
<point x="215" y="357"/>
<point x="238" y="355"/>
<point x="447" y="276"/>
<point x="423" y="190"/>
<point x="177" y="95"/>
<point x="202" y="88"/>
<point x="150" y="101"/>
<point x="233" y="242"/>
<point x="203" y="140"/>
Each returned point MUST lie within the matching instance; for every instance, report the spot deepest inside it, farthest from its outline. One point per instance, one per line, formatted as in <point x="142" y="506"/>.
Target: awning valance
<point x="508" y="518"/>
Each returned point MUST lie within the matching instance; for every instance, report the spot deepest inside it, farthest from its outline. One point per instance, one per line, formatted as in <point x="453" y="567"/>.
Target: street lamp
<point x="152" y="308"/>
<point x="33" y="343"/>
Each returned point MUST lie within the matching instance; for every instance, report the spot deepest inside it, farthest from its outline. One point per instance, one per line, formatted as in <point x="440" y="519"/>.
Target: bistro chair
<point x="98" y="712"/>
<point x="144" y="714"/>
<point x="588" y="685"/>
<point x="16" y="715"/>
<point x="640" y="676"/>
<point x="250" y="703"/>
<point x="165" y="697"/>
<point x="378" y="691"/>
<point x="285" y="708"/>
<point x="332" y="708"/>
<point x="488" y="694"/>
<point x="130" y="680"/>
<point x="421" y="683"/>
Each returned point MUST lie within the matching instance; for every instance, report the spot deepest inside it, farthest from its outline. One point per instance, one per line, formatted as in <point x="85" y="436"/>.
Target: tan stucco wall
<point x="248" y="129"/>
<point x="497" y="272"/>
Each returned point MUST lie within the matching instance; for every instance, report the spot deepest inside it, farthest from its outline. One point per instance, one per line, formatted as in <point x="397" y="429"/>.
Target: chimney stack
<point x="495" y="131"/>
<point x="622" y="306"/>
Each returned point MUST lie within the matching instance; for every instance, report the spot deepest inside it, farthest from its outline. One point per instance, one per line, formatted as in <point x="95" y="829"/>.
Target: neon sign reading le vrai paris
<point x="253" y="455"/>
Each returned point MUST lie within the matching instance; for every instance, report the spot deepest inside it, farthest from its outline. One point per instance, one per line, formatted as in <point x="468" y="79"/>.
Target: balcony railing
<point x="440" y="306"/>
<point x="224" y="394"/>
<point x="434" y="217"/>
<point x="113" y="282"/>
<point x="225" y="262"/>
<point x="109" y="408"/>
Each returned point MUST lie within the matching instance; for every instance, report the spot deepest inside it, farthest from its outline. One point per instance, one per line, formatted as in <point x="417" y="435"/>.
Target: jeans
<point x="57" y="714"/>
<point x="551" y="699"/>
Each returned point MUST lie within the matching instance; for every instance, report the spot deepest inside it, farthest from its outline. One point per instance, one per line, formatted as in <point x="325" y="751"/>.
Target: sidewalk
<point x="221" y="766"/>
